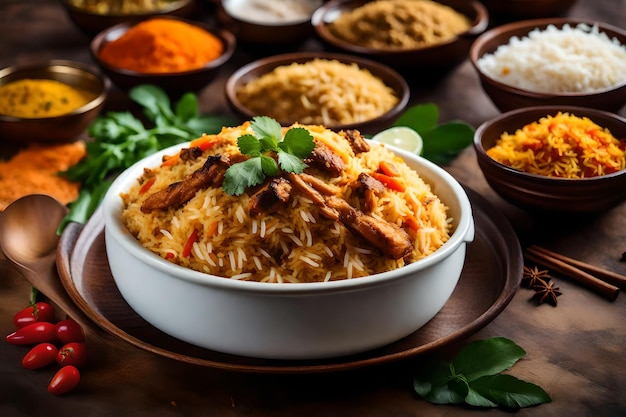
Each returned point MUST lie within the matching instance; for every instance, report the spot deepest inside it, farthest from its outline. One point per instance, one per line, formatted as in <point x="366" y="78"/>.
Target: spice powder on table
<point x="34" y="170"/>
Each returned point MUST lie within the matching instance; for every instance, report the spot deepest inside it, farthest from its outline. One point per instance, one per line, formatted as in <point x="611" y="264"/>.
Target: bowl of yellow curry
<point x="50" y="102"/>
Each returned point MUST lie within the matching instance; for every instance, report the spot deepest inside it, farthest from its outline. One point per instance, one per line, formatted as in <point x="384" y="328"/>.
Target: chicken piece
<point x="367" y="187"/>
<point x="320" y="185"/>
<point x="275" y="191"/>
<point x="356" y="140"/>
<point x="178" y="193"/>
<point x="189" y="154"/>
<point x="387" y="237"/>
<point x="324" y="158"/>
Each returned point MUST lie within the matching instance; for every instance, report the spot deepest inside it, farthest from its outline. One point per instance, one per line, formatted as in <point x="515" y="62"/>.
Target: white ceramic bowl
<point x="287" y="321"/>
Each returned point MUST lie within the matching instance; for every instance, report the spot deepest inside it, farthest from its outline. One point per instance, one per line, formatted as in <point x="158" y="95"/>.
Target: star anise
<point x="546" y="292"/>
<point x="533" y="277"/>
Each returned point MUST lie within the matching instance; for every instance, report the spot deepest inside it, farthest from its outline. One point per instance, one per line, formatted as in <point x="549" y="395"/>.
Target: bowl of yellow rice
<point x="314" y="264"/>
<point x="562" y="159"/>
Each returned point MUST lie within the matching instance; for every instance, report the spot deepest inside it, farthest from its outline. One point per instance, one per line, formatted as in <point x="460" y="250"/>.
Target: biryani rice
<point x="293" y="242"/>
<point x="564" y="146"/>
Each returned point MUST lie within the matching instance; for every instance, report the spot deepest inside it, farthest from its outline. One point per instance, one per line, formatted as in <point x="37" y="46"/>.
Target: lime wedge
<point x="402" y="137"/>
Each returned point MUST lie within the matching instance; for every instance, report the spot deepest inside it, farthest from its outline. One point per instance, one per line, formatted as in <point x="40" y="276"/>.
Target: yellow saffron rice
<point x="292" y="242"/>
<point x="564" y="146"/>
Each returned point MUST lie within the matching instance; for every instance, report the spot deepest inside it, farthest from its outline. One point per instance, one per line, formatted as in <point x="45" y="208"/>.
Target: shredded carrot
<point x="203" y="142"/>
<point x="212" y="230"/>
<point x="390" y="182"/>
<point x="388" y="168"/>
<point x="169" y="161"/>
<point x="189" y="244"/>
<point x="147" y="185"/>
<point x="412" y="222"/>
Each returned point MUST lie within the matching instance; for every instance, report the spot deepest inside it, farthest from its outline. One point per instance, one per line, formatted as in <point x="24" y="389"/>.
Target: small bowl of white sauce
<point x="276" y="22"/>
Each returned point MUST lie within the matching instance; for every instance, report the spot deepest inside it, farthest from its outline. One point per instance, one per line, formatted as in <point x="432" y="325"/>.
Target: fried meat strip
<point x="275" y="191"/>
<point x="324" y="158"/>
<point x="367" y="187"/>
<point x="190" y="154"/>
<point x="356" y="140"/>
<point x="178" y="193"/>
<point x="387" y="237"/>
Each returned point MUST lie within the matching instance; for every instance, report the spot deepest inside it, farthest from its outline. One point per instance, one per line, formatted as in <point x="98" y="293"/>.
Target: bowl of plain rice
<point x="562" y="61"/>
<point x="310" y="265"/>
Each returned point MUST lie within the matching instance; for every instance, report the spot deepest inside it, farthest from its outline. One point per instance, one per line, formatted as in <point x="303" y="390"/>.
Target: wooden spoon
<point x="28" y="238"/>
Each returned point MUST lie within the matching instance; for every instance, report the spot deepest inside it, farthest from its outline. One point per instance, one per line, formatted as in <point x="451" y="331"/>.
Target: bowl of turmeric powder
<point x="404" y="34"/>
<point x="50" y="102"/>
<point x="175" y="54"/>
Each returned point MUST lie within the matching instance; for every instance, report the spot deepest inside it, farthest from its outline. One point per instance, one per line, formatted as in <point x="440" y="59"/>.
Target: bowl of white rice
<point x="556" y="61"/>
<point x="291" y="280"/>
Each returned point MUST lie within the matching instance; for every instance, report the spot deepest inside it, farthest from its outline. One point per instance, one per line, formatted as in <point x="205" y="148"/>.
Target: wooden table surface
<point x="575" y="351"/>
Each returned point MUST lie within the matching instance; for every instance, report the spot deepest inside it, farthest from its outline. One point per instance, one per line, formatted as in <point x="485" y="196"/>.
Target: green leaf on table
<point x="474" y="377"/>
<point x="487" y="357"/>
<point x="155" y="102"/>
<point x="508" y="391"/>
<point x="441" y="142"/>
<point x="187" y="107"/>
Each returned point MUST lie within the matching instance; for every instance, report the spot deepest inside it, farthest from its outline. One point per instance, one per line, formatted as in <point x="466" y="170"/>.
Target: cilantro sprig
<point x="120" y="139"/>
<point x="474" y="377"/>
<point x="262" y="148"/>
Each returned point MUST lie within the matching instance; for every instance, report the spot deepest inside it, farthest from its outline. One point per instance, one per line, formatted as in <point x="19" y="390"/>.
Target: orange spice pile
<point x="162" y="46"/>
<point x="34" y="170"/>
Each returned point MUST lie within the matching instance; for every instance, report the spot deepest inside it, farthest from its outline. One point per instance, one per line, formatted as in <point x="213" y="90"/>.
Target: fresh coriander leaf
<point x="298" y="141"/>
<point x="509" y="391"/>
<point x="242" y="175"/>
<point x="155" y="102"/>
<point x="267" y="128"/>
<point x="208" y="124"/>
<point x="88" y="200"/>
<point x="187" y="107"/>
<point x="291" y="163"/>
<point x="249" y="145"/>
<point x="268" y="164"/>
<point x="487" y="357"/>
<point x="421" y="117"/>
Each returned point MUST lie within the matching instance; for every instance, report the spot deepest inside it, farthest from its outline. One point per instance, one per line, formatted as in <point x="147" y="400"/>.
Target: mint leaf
<point x="249" y="145"/>
<point x="242" y="175"/>
<point x="487" y="357"/>
<point x="509" y="391"/>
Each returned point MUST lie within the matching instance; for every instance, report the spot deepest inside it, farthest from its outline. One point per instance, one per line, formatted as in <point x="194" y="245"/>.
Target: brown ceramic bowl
<point x="261" y="29"/>
<point x="262" y="66"/>
<point x="173" y="83"/>
<point x="65" y="128"/>
<point x="527" y="9"/>
<point x="92" y="23"/>
<point x="506" y="97"/>
<point x="549" y="194"/>
<point x="443" y="55"/>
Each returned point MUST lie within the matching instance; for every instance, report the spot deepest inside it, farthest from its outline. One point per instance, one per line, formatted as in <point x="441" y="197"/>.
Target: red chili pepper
<point x="32" y="334"/>
<point x="40" y="356"/>
<point x="34" y="313"/>
<point x="391" y="183"/>
<point x="146" y="185"/>
<point x="68" y="331"/>
<point x="189" y="244"/>
<point x="65" y="380"/>
<point x="72" y="354"/>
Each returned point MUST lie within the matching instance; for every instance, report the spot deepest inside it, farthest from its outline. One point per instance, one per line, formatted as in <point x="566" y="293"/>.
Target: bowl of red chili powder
<point x="175" y="54"/>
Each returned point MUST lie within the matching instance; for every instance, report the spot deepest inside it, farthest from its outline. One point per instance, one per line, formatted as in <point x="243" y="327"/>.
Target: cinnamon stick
<point x="605" y="289"/>
<point x="604" y="274"/>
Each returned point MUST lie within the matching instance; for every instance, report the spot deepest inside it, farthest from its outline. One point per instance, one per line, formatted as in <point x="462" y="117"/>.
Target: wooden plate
<point x="491" y="275"/>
